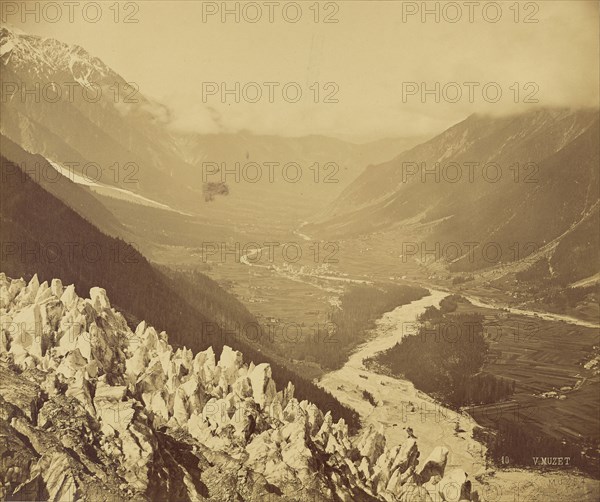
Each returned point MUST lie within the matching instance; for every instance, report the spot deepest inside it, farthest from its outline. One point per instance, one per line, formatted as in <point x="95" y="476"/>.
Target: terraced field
<point x="543" y="357"/>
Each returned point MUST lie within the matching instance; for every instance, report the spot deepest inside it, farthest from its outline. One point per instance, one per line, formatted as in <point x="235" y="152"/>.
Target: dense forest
<point x="347" y="325"/>
<point x="445" y="359"/>
<point x="77" y="252"/>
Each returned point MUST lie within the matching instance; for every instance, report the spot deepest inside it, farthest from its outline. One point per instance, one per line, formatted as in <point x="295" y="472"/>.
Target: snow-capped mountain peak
<point x="47" y="56"/>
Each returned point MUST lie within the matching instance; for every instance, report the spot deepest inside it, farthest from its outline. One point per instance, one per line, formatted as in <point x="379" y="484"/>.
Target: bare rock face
<point x="91" y="410"/>
<point x="372" y="445"/>
<point x="263" y="386"/>
<point x="434" y="465"/>
<point x="455" y="485"/>
<point x="28" y="339"/>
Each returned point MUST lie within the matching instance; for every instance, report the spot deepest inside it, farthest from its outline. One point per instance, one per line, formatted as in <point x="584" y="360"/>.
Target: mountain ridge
<point x="545" y="158"/>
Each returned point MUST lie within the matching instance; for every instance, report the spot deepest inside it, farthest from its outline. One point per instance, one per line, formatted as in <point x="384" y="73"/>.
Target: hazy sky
<point x="370" y="55"/>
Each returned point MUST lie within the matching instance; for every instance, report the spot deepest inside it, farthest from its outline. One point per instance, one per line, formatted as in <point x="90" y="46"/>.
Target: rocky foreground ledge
<point x="90" y="410"/>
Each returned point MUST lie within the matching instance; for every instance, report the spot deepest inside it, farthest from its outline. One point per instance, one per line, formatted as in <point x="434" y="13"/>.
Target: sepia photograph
<point x="300" y="251"/>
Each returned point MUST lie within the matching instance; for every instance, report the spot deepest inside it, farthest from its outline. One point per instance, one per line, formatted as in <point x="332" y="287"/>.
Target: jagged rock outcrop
<point x="90" y="407"/>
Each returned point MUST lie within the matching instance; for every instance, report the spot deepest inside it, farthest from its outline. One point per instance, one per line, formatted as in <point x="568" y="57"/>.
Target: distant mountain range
<point x="521" y="186"/>
<point x="489" y="191"/>
<point x="67" y="105"/>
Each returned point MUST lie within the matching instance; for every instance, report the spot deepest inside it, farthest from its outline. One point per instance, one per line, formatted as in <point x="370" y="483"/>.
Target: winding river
<point x="399" y="404"/>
